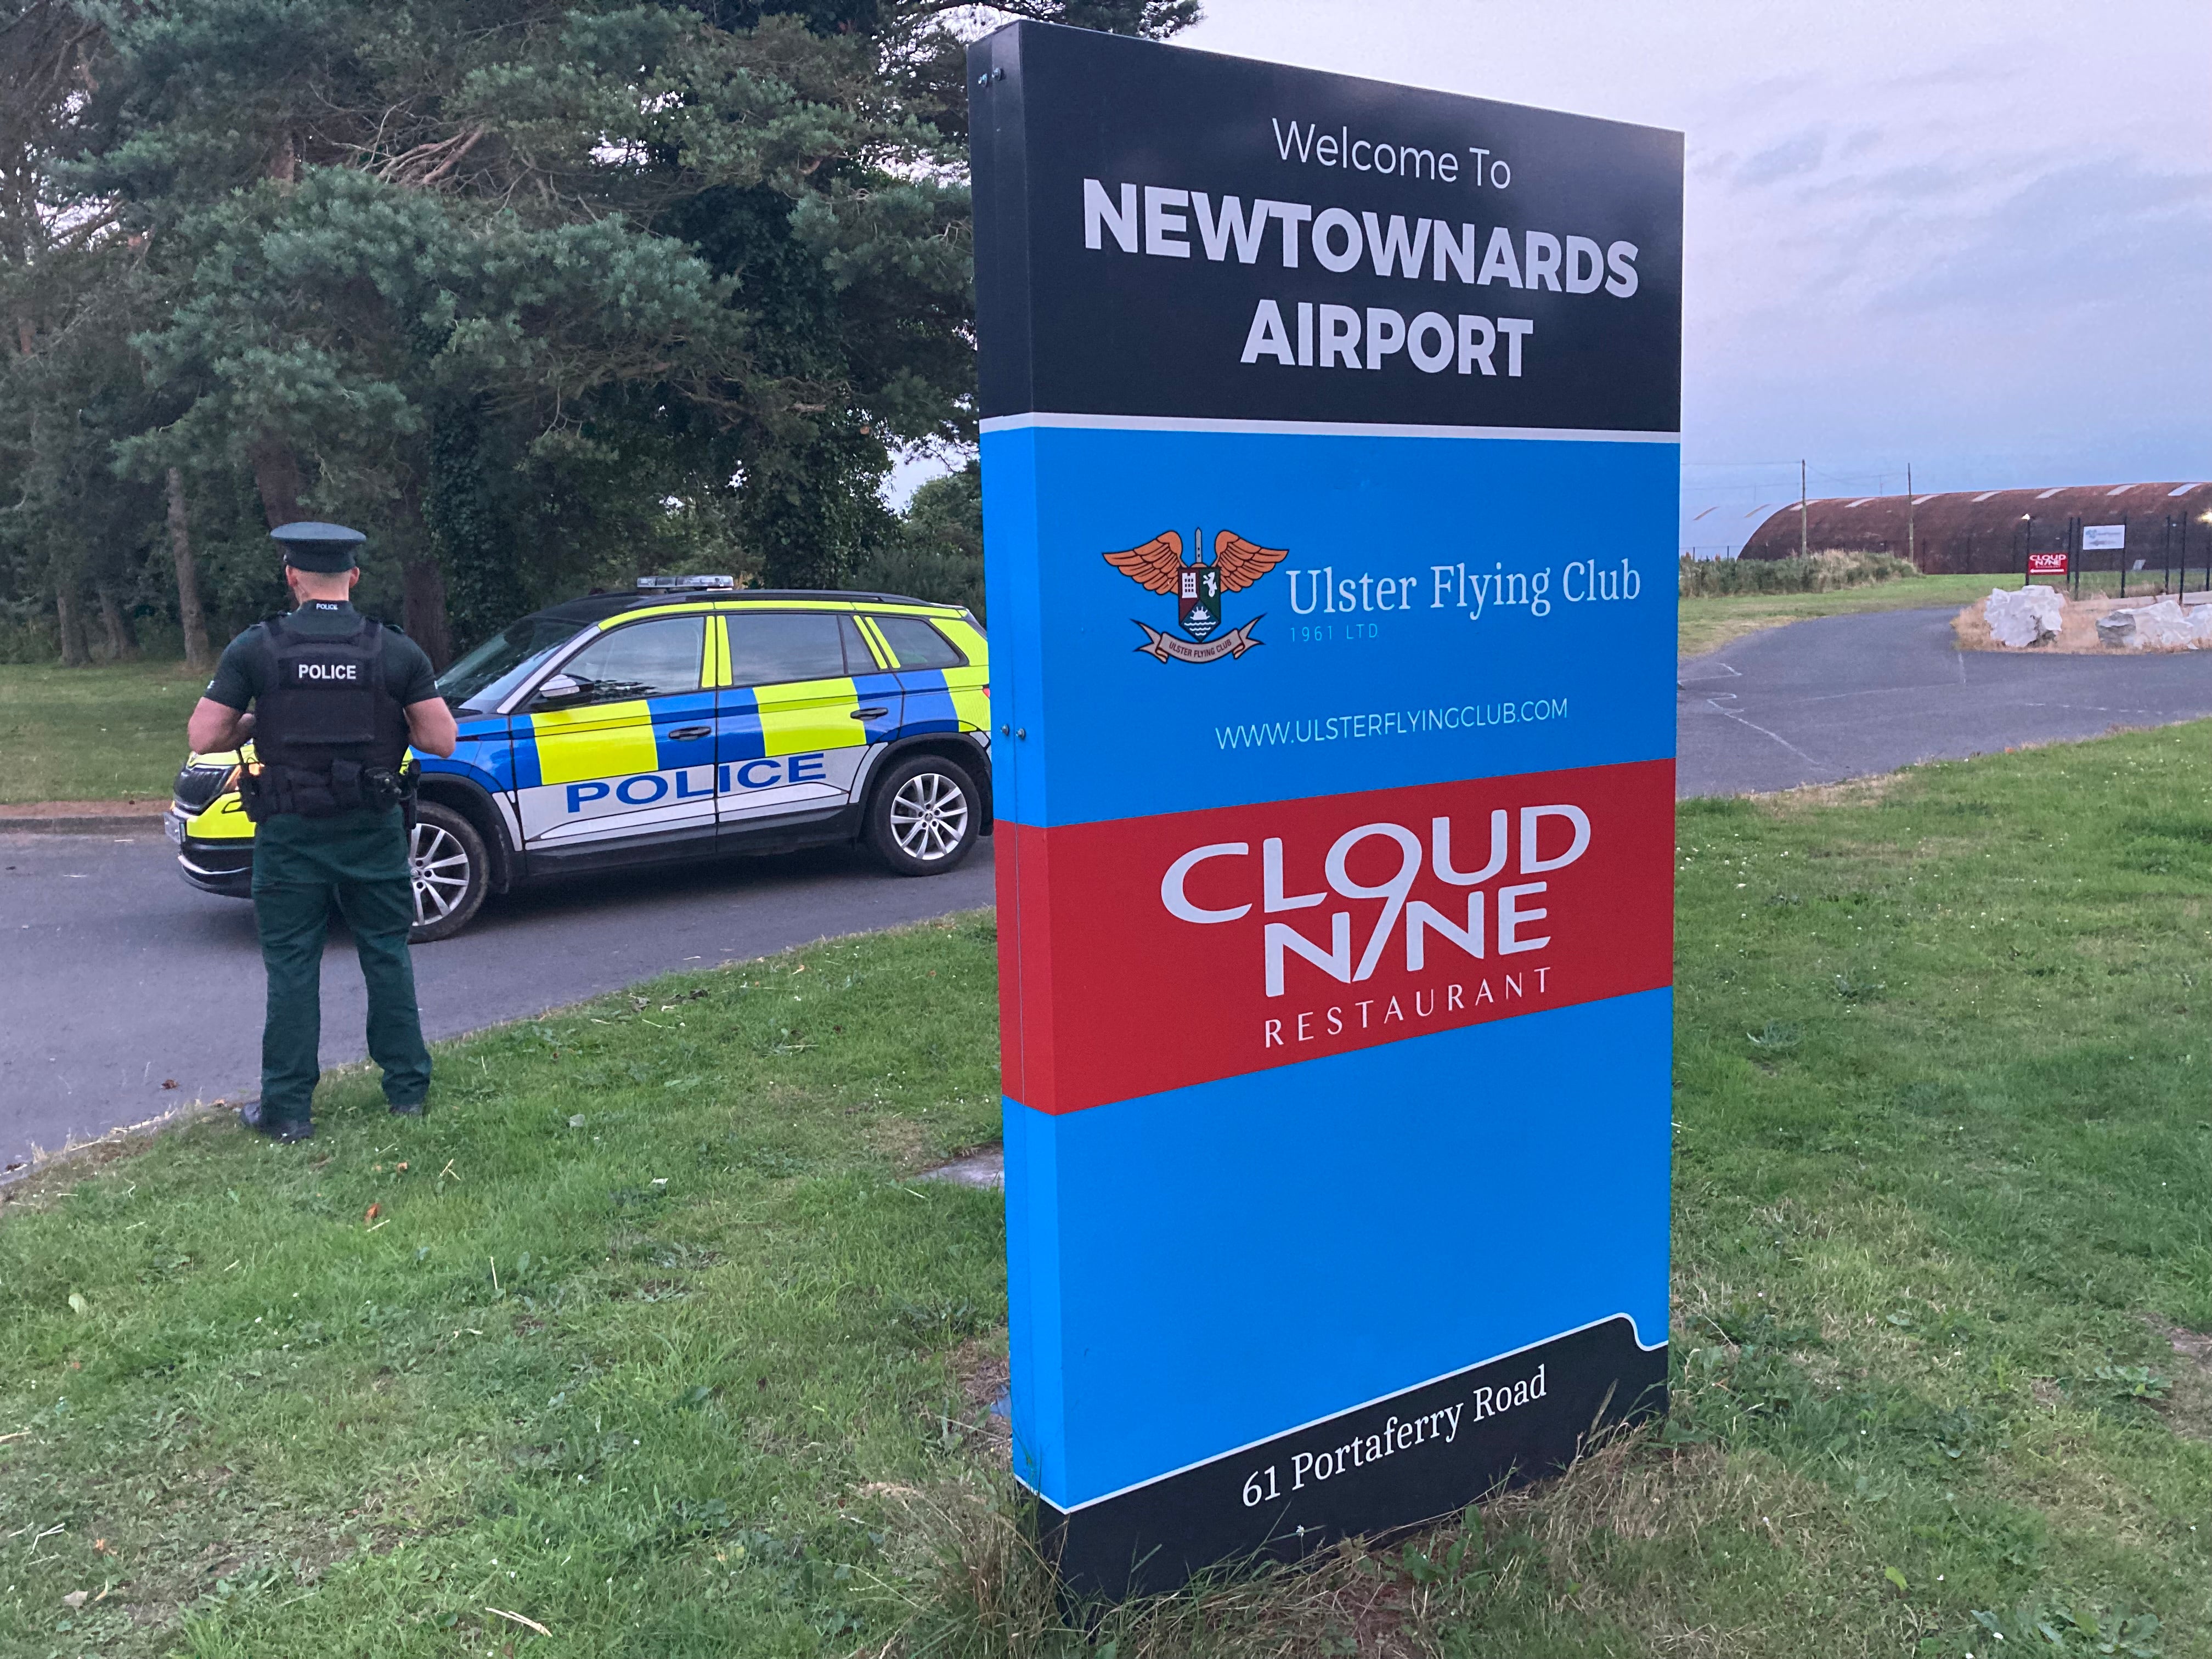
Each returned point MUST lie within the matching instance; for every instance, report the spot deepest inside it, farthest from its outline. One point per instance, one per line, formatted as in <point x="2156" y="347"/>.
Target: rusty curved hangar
<point x="1963" y="531"/>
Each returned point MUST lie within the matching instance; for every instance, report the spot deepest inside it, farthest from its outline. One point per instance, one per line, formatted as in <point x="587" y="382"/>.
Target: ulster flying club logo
<point x="1160" y="566"/>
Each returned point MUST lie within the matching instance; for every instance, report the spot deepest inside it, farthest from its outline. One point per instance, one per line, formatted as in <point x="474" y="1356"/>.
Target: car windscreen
<point x="483" y="679"/>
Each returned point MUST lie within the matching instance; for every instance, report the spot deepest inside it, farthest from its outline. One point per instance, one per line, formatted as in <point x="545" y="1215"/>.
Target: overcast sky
<point x="1975" y="236"/>
<point x="1970" y="234"/>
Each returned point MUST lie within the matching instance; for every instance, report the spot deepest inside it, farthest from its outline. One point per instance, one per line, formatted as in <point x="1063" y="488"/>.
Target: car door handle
<point x="870" y="713"/>
<point x="682" y="733"/>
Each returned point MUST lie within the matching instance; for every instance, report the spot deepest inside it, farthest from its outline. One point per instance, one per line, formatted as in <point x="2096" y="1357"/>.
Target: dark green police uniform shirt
<point x="240" y="676"/>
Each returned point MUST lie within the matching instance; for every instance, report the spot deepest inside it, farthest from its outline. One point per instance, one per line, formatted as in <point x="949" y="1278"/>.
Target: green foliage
<point x="506" y="281"/>
<point x="936" y="551"/>
<point x="1823" y="573"/>
<point x="66" y="525"/>
<point x="2056" y="1627"/>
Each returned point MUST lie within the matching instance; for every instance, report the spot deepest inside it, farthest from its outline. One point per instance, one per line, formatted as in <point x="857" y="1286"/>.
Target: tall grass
<point x="1824" y="573"/>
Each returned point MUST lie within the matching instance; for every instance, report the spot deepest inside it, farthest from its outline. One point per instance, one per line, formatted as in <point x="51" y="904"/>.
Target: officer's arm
<point x="216" y="727"/>
<point x="430" y="726"/>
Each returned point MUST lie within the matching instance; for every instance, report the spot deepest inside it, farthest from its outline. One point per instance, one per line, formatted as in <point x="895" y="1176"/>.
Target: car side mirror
<point x="557" y="688"/>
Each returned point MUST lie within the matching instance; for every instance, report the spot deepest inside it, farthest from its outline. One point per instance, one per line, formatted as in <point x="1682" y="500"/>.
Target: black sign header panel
<point x="1211" y="237"/>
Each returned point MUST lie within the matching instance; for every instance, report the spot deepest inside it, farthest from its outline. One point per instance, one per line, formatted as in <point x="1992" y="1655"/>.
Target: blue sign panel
<point x="1330" y="468"/>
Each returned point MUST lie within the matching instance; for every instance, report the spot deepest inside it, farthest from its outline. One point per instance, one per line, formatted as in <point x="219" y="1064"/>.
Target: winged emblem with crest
<point x="1198" y="587"/>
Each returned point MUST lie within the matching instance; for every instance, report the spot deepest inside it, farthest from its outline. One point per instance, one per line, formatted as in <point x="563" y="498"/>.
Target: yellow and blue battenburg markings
<point x="804" y="740"/>
<point x="685" y="758"/>
<point x="943" y="699"/>
<point x="482" y="752"/>
<point x="612" y="740"/>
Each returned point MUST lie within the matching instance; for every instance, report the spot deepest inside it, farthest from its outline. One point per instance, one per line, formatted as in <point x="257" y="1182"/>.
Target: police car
<point x="685" y="720"/>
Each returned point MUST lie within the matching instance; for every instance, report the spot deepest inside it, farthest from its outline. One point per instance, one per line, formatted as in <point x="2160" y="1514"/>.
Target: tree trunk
<point x="277" y="476"/>
<point x="284" y="165"/>
<point x="122" y="638"/>
<point x="71" y="624"/>
<point x="197" y="658"/>
<point x="424" y="587"/>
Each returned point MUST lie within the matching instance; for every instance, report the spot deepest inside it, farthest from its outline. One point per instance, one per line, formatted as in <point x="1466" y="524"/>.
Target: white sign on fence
<point x="2104" y="538"/>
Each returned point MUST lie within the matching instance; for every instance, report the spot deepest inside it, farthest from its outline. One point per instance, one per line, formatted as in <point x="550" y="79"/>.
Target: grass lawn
<point x="648" y="1338"/>
<point x="98" y="734"/>
<point x="1710" y="623"/>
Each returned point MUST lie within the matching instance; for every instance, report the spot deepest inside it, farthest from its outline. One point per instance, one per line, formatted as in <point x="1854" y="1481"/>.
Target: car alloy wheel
<point x="929" y="817"/>
<point x="449" y="870"/>
<point x="439" y="865"/>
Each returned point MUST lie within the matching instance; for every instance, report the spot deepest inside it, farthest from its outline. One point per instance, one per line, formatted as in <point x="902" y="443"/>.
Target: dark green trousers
<point x="301" y="866"/>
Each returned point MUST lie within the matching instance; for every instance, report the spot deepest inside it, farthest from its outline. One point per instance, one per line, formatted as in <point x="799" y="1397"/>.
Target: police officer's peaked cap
<point x="311" y="544"/>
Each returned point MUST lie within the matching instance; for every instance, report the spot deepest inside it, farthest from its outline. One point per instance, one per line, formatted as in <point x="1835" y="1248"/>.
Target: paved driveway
<point x="1845" y="696"/>
<point x="115" y="977"/>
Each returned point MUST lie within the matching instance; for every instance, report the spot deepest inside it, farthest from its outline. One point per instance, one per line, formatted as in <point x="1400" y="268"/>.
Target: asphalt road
<point x="1847" y="696"/>
<point x="116" y="977"/>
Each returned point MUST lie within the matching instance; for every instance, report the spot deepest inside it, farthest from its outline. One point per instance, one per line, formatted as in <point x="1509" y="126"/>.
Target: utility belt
<point x="269" y="790"/>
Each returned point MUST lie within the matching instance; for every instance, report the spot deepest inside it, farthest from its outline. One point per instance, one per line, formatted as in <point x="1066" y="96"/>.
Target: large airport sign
<point x="1330" y="464"/>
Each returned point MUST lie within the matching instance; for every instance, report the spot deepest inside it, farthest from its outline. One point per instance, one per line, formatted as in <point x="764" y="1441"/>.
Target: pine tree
<point x="531" y="290"/>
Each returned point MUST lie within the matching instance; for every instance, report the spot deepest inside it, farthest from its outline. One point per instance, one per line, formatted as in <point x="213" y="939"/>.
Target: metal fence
<point x="2164" y="553"/>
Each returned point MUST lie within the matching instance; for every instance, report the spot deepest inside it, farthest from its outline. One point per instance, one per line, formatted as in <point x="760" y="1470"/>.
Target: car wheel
<point x="452" y="870"/>
<point x="924" y="816"/>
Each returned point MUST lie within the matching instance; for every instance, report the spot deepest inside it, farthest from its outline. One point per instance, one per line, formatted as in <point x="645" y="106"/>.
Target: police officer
<point x="336" y="698"/>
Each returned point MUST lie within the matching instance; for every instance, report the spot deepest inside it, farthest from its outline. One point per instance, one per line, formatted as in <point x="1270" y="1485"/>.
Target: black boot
<point x="282" y="1129"/>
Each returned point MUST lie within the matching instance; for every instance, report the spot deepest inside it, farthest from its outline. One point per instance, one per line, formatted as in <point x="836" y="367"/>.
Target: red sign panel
<point x="1197" y="945"/>
<point x="2046" y="564"/>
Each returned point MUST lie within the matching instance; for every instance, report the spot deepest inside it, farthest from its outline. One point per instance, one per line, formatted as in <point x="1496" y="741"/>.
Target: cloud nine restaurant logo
<point x="1323" y="924"/>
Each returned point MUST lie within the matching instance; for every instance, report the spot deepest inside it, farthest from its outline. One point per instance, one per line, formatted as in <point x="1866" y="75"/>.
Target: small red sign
<point x="2046" y="564"/>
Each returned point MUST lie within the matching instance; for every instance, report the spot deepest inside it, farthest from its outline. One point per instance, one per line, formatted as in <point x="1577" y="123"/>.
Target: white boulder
<point x="2169" y="626"/>
<point x="2023" y="616"/>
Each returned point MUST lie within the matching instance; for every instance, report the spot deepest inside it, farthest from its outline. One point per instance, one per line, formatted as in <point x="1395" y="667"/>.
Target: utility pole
<point x="1912" y="550"/>
<point x="1804" y="551"/>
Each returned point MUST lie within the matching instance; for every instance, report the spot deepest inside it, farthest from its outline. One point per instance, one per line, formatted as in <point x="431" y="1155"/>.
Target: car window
<point x="918" y="645"/>
<point x="654" y="658"/>
<point x="859" y="659"/>
<point x="772" y="646"/>
<point x="492" y="672"/>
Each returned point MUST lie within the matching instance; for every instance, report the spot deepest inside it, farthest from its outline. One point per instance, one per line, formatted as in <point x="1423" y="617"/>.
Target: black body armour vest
<point x="325" y="719"/>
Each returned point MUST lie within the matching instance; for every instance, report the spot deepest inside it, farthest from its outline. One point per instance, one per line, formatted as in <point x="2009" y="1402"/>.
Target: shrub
<point x="27" y="633"/>
<point x="1823" y="573"/>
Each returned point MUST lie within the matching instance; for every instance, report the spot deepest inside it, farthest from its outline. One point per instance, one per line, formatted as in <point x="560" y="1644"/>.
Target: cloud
<point x="1790" y="159"/>
<point x="2098" y="234"/>
<point x="1894" y="184"/>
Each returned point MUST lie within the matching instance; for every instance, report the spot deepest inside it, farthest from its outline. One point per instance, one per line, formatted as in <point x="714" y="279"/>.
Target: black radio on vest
<point x="329" y="736"/>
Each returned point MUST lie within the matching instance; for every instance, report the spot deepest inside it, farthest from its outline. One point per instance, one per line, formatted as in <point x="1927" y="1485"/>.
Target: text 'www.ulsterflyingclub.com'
<point x="1389" y="723"/>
